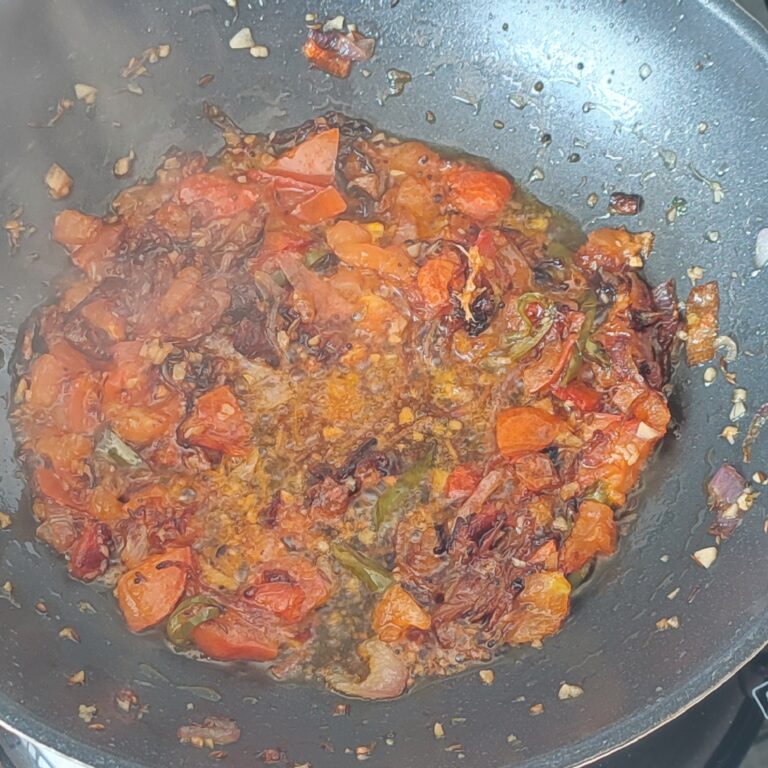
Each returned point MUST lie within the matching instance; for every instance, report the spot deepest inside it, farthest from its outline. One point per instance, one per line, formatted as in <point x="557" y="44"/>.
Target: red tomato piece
<point x="72" y="228"/>
<point x="67" y="491"/>
<point x="281" y="598"/>
<point x="217" y="422"/>
<point x="326" y="60"/>
<point x="313" y="161"/>
<point x="481" y="195"/>
<point x="462" y="481"/>
<point x="93" y="256"/>
<point x="230" y="637"/>
<point x="89" y="556"/>
<point x="99" y="313"/>
<point x="526" y="429"/>
<point x="582" y="396"/>
<point x="593" y="533"/>
<point x="434" y="281"/>
<point x="149" y="593"/>
<point x="321" y="206"/>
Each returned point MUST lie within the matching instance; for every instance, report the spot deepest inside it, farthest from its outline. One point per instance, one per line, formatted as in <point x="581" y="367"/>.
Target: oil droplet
<point x="536" y="174"/>
<point x="712" y="235"/>
<point x="645" y="71"/>
<point x="702" y="127"/>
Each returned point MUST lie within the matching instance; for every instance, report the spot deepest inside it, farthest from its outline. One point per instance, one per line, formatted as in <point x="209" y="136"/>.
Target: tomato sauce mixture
<point x="333" y="401"/>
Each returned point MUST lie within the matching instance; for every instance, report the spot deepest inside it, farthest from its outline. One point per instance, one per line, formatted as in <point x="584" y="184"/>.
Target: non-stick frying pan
<point x="665" y="99"/>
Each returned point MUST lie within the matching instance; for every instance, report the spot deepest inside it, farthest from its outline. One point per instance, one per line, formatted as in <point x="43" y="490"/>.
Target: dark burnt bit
<point x="624" y="204"/>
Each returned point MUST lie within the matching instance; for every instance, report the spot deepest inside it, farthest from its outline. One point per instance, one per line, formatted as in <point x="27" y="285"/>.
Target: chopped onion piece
<point x="335" y="24"/>
<point x="387" y="676"/>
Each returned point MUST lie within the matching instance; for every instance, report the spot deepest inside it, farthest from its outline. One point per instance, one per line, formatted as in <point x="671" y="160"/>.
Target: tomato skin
<point x="99" y="314"/>
<point x="526" y="429"/>
<point x="434" y="281"/>
<point x="212" y="196"/>
<point x="290" y="587"/>
<point x="593" y="533"/>
<point x="93" y="256"/>
<point x="231" y="638"/>
<point x="46" y="377"/>
<point x="391" y="262"/>
<point x="541" y="607"/>
<point x="480" y="194"/>
<point x="66" y="491"/>
<point x="462" y="481"/>
<point x="217" y="422"/>
<point x="283" y="599"/>
<point x="148" y="594"/>
<point x="397" y="612"/>
<point x="583" y="397"/>
<point x="312" y="161"/>
<point x="175" y="220"/>
<point x="345" y="233"/>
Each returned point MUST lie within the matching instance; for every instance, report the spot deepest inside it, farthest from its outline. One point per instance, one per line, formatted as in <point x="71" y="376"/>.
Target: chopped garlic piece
<point x="568" y="691"/>
<point x="706" y="556"/>
<point x="242" y="39"/>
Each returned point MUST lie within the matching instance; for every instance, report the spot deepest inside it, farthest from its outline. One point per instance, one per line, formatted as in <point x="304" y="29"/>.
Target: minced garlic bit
<point x="739" y="408"/>
<point x="336" y="24"/>
<point x="705" y="557"/>
<point x="86" y="712"/>
<point x="8" y="588"/>
<point x="259" y="51"/>
<point x="438" y="730"/>
<point x="729" y="433"/>
<point x="243" y="38"/>
<point x="671" y="623"/>
<point x="569" y="691"/>
<point x="406" y="416"/>
<point x="68" y="633"/>
<point x="710" y="374"/>
<point x="86" y="93"/>
<point x="536" y="709"/>
<point x="124" y="165"/>
<point x="15" y="228"/>
<point x="674" y="593"/>
<point x="759" y="477"/>
<point x="5" y="521"/>
<point x="695" y="274"/>
<point x="78" y="678"/>
<point x="511" y="738"/>
<point x="487" y="676"/>
<point x="58" y="181"/>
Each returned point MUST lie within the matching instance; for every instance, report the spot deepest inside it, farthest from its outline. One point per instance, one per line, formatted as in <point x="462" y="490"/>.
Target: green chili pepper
<point x="399" y="495"/>
<point x="112" y="448"/>
<point x="316" y="258"/>
<point x="520" y="344"/>
<point x="278" y="276"/>
<point x="374" y="575"/>
<point x="189" y="614"/>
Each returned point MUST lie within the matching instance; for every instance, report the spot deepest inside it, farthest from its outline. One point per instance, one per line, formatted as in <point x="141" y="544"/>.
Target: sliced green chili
<point x="521" y="343"/>
<point x="399" y="495"/>
<point x="374" y="575"/>
<point x="112" y="448"/>
<point x="190" y="613"/>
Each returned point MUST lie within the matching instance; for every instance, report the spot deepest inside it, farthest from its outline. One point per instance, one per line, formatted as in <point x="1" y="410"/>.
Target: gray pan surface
<point x="625" y="85"/>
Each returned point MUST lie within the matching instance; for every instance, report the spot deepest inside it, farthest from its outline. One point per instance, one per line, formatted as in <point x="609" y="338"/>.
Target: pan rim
<point x="611" y="738"/>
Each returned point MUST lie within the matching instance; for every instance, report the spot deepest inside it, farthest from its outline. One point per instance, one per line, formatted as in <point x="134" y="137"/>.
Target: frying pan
<point x="660" y="99"/>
